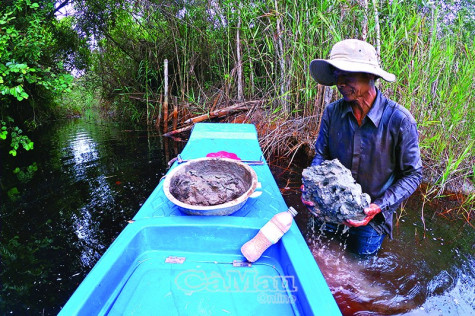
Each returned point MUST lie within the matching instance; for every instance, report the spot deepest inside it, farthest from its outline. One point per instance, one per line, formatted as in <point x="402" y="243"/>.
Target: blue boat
<point x="167" y="262"/>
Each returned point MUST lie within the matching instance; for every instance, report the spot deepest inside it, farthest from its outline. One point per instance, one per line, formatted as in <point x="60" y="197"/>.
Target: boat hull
<point x="167" y="262"/>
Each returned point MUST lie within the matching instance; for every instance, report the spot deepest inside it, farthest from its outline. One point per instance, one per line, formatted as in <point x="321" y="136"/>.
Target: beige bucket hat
<point x="348" y="55"/>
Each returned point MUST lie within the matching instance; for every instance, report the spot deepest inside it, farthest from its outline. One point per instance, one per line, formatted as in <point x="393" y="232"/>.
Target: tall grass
<point x="431" y="54"/>
<point x="434" y="64"/>
<point x="435" y="68"/>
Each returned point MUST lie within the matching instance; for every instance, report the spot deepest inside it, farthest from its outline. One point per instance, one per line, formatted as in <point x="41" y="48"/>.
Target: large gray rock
<point x="335" y="193"/>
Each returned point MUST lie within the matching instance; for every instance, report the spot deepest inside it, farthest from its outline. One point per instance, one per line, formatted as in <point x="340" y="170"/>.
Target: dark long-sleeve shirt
<point x="383" y="154"/>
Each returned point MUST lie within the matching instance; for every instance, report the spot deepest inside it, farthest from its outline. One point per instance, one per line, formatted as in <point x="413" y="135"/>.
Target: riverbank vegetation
<point x="163" y="63"/>
<point x="36" y="52"/>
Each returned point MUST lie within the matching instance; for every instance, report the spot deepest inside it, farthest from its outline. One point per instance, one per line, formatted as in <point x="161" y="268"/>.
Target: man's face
<point x="353" y="85"/>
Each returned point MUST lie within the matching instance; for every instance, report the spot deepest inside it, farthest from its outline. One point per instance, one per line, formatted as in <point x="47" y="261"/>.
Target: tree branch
<point x="62" y="5"/>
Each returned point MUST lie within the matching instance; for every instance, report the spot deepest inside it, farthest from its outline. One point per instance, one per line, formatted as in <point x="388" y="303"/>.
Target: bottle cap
<point x="292" y="211"/>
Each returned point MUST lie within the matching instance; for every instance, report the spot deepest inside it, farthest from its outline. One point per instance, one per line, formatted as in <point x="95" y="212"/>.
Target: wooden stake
<point x="218" y="97"/>
<point x="165" y="103"/>
<point x="175" y="112"/>
<point x="159" y="116"/>
<point x="240" y="95"/>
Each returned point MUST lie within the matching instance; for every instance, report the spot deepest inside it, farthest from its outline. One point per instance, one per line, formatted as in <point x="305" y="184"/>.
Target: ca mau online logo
<point x="270" y="288"/>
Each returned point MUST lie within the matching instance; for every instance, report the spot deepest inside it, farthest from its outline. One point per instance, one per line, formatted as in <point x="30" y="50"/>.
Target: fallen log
<point x="223" y="112"/>
<point x="214" y="114"/>
<point x="178" y="131"/>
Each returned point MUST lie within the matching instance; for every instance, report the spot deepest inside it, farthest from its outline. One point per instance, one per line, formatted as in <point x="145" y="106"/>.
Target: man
<point x="369" y="134"/>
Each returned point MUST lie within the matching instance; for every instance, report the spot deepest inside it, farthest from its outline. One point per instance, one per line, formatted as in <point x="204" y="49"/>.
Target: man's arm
<point x="410" y="166"/>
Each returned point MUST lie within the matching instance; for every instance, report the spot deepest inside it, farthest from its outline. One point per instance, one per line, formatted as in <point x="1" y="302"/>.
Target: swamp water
<point x="420" y="271"/>
<point x="66" y="201"/>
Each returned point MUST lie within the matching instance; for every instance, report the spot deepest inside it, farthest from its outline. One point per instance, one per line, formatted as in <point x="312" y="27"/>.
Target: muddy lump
<point x="210" y="183"/>
<point x="335" y="193"/>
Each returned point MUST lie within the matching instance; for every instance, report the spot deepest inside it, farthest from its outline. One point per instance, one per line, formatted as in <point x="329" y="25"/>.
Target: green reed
<point x="432" y="57"/>
<point x="434" y="64"/>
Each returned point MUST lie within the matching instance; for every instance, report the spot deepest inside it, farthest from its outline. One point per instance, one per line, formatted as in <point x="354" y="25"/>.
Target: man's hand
<point x="309" y="204"/>
<point x="370" y="212"/>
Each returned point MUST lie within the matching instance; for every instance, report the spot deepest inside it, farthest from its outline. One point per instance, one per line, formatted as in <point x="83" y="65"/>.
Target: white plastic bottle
<point x="268" y="235"/>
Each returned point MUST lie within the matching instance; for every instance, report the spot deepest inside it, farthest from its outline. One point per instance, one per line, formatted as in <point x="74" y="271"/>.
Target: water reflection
<point x="81" y="155"/>
<point x="86" y="181"/>
<point x="84" y="151"/>
<point x="410" y="275"/>
<point x="421" y="271"/>
<point x="86" y="231"/>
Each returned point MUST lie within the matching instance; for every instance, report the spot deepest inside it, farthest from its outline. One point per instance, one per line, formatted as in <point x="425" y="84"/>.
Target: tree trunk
<point x="281" y="56"/>
<point x="240" y="96"/>
<point x="377" y="29"/>
<point x="364" y="24"/>
<point x="251" y="71"/>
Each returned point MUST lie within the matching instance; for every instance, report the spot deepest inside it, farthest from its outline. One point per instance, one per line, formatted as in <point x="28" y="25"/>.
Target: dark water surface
<point x="420" y="271"/>
<point x="72" y="196"/>
<point x="65" y="202"/>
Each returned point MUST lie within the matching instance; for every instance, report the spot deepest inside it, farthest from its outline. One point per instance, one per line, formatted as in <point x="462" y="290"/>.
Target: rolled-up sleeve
<point x="410" y="168"/>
